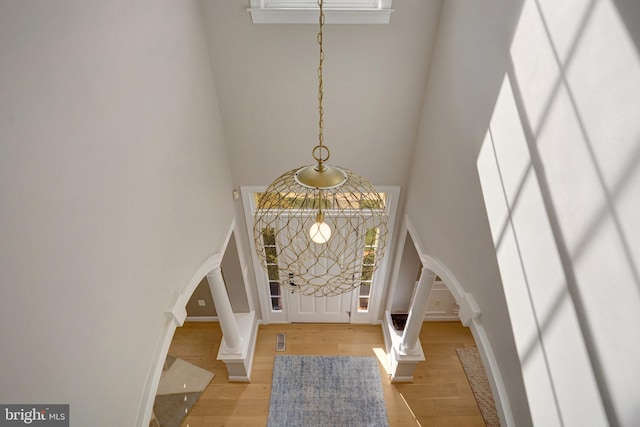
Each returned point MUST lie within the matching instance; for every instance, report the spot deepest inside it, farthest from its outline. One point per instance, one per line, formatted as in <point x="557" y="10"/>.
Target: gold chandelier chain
<point x="320" y="152"/>
<point x="285" y="231"/>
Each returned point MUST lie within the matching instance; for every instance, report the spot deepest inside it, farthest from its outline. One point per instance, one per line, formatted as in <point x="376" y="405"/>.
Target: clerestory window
<point x="306" y="11"/>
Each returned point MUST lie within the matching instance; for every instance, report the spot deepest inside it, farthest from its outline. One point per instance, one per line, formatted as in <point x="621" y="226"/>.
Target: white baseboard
<point x="493" y="373"/>
<point x="201" y="319"/>
<point x="441" y="318"/>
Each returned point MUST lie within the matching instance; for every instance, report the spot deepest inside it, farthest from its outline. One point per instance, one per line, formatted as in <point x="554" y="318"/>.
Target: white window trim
<point x="264" y="296"/>
<point x="380" y="277"/>
<point x="306" y="11"/>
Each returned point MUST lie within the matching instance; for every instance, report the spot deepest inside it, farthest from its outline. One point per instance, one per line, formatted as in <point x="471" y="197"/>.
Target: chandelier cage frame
<point x="320" y="230"/>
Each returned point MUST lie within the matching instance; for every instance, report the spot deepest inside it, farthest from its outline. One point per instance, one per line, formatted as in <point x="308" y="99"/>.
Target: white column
<point x="230" y="335"/>
<point x="412" y="328"/>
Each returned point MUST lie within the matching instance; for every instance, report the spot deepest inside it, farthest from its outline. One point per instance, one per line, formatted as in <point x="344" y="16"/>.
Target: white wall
<point x="541" y="100"/>
<point x="374" y="79"/>
<point x="560" y="176"/>
<point x="114" y="189"/>
<point x="444" y="199"/>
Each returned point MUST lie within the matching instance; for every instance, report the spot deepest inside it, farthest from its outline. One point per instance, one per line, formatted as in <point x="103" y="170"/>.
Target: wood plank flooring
<point x="440" y="395"/>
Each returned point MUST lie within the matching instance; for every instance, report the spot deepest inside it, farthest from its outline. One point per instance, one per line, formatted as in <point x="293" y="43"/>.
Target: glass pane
<point x="369" y="258"/>
<point x="365" y="289"/>
<point x="367" y="272"/>
<point x="268" y="200"/>
<point x="276" y="303"/>
<point x="274" y="288"/>
<point x="272" y="255"/>
<point x="363" y="304"/>
<point x="371" y="202"/>
<point x="311" y="200"/>
<point x="371" y="237"/>
<point x="269" y="237"/>
<point x="272" y="272"/>
<point x="351" y="200"/>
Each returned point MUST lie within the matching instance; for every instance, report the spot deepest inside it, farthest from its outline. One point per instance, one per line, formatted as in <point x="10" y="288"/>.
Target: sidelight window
<point x="366" y="276"/>
<point x="271" y="256"/>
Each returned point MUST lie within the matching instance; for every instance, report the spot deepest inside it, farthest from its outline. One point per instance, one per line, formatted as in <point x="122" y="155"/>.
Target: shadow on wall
<point x="629" y="13"/>
<point x="560" y="176"/>
<point x="201" y="304"/>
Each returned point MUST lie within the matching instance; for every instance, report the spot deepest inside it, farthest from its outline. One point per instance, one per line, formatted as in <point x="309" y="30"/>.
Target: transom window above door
<point x="343" y="201"/>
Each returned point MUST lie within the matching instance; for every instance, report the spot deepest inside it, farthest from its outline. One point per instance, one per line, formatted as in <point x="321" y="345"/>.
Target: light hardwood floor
<point x="440" y="395"/>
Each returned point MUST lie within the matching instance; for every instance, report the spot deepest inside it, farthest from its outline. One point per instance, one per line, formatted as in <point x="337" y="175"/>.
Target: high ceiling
<point x="374" y="85"/>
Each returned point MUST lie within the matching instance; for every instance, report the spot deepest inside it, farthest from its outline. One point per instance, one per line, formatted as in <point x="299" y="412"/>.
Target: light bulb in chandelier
<point x="320" y="232"/>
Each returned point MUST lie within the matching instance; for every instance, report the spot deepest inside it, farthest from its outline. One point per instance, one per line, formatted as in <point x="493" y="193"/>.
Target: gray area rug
<point x="477" y="376"/>
<point x="326" y="391"/>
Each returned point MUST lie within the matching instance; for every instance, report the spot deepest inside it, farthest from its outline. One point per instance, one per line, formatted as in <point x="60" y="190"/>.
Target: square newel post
<point x="405" y="349"/>
<point x="239" y="331"/>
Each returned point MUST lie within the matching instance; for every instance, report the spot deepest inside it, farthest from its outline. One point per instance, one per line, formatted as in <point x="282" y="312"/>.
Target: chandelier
<point x="320" y="230"/>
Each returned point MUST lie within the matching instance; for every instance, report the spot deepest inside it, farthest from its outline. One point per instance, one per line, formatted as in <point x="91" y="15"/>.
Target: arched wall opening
<point x="176" y="315"/>
<point x="412" y="261"/>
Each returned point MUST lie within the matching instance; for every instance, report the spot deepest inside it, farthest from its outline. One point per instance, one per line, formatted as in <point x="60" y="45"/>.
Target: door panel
<point x="316" y="309"/>
<point x="310" y="309"/>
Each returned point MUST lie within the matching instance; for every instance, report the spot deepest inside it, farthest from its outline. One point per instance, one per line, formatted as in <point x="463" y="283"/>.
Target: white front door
<point x="310" y="309"/>
<point x="322" y="309"/>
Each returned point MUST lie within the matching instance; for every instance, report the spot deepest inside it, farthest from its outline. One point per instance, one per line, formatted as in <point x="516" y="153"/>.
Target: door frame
<point x="380" y="277"/>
